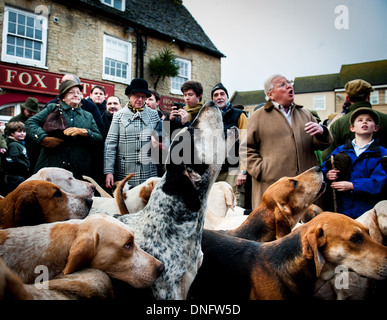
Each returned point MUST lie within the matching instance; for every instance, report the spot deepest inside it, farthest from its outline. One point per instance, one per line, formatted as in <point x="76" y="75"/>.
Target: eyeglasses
<point x="74" y="93"/>
<point x="283" y="84"/>
<point x="138" y="97"/>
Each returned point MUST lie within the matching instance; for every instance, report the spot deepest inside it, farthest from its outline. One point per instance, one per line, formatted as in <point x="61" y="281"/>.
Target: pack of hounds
<point x="181" y="237"/>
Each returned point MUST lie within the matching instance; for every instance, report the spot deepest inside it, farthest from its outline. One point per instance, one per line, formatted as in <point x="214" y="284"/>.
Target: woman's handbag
<point x="55" y="122"/>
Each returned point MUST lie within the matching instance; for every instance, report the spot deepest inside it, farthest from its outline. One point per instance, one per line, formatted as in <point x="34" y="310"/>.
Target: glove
<point x="343" y="163"/>
<point x="73" y="131"/>
<point x="384" y="163"/>
<point x="51" y="142"/>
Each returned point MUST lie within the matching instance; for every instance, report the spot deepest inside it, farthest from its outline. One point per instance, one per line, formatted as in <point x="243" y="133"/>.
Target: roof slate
<point x="375" y="72"/>
<point x="248" y="98"/>
<point x="167" y="18"/>
<point x="321" y="83"/>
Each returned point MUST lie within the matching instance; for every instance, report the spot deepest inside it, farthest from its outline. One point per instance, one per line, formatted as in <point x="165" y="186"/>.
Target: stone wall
<point x="75" y="45"/>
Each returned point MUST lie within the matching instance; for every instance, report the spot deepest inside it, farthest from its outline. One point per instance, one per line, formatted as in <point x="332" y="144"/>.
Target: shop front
<point x="17" y="83"/>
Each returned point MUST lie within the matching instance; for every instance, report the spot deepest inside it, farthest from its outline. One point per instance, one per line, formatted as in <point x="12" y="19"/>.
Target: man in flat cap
<point x="358" y="93"/>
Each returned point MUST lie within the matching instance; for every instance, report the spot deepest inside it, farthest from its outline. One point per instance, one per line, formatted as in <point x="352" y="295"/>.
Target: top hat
<point x="31" y="104"/>
<point x="138" y="85"/>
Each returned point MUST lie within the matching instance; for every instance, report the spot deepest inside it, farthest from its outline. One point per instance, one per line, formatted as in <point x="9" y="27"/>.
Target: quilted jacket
<point x="74" y="154"/>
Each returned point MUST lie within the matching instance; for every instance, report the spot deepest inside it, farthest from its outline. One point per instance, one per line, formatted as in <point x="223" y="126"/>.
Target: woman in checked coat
<point x="129" y="146"/>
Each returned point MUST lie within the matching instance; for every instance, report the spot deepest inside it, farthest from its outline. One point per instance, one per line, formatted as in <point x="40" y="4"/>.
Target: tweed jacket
<point x="128" y="147"/>
<point x="274" y="149"/>
<point x="74" y="154"/>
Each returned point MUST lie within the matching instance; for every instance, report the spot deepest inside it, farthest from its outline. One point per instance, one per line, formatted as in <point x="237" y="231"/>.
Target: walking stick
<point x="333" y="190"/>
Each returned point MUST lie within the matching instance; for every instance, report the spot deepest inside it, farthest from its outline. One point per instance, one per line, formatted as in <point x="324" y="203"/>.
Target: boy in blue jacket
<point x="357" y="174"/>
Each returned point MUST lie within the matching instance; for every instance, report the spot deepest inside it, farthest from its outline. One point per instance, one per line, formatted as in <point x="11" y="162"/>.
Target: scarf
<point x="135" y="110"/>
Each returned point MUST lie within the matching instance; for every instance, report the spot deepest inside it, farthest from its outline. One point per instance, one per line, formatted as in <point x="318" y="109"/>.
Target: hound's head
<point x="196" y="155"/>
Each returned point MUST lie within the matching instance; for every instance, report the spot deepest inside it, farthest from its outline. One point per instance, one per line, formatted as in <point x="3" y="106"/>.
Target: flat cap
<point x="358" y="87"/>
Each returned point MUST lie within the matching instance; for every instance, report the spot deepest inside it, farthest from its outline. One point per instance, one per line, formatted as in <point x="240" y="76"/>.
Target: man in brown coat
<point x="281" y="138"/>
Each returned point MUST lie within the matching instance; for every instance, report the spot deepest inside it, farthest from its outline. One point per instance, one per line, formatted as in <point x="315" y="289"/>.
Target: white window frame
<point x="111" y="3"/>
<point x="183" y="76"/>
<point x="374" y="97"/>
<point x="40" y="21"/>
<point x="112" y="53"/>
<point x="319" y="102"/>
<point x="16" y="111"/>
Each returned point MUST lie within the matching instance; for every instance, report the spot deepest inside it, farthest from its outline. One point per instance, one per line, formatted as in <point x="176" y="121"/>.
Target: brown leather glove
<point x="73" y="131"/>
<point x="51" y="142"/>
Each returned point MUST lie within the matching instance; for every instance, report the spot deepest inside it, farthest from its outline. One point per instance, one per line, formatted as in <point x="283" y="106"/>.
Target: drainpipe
<point x="141" y="45"/>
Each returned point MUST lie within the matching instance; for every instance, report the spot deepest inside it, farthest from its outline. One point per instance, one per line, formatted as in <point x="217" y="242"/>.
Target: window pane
<point x="11" y="27"/>
<point x="37" y="55"/>
<point x="30" y="22"/>
<point x="29" y="44"/>
<point x="11" y="50"/>
<point x="12" y="16"/>
<point x="19" y="52"/>
<point x="24" y="37"/>
<point x="38" y="34"/>
<point x="11" y="40"/>
<point x="374" y="98"/>
<point x="21" y="19"/>
<point x="28" y="53"/>
<point x="118" y="4"/>
<point x="319" y="102"/>
<point x="117" y="57"/>
<point x="20" y="30"/>
<point x="183" y="74"/>
<point x="30" y="32"/>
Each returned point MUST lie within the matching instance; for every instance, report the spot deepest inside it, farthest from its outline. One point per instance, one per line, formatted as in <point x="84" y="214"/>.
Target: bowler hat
<point x="31" y="104"/>
<point x="66" y="86"/>
<point x="364" y="110"/>
<point x="358" y="87"/>
<point x="138" y="85"/>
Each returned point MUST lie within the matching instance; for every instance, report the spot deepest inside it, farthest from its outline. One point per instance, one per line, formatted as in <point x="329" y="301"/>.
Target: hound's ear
<point x="81" y="252"/>
<point x="27" y="210"/>
<point x="229" y="197"/>
<point x="311" y="242"/>
<point x="178" y="184"/>
<point x="146" y="191"/>
<point x="284" y="221"/>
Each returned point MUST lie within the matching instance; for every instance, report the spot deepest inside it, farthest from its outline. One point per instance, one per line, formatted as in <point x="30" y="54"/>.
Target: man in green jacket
<point x="358" y="92"/>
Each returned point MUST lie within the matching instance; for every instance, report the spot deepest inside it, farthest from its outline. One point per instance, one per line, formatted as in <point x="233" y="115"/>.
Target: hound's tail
<point x="119" y="195"/>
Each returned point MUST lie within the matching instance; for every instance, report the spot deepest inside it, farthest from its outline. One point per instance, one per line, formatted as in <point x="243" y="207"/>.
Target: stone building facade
<point x="101" y="44"/>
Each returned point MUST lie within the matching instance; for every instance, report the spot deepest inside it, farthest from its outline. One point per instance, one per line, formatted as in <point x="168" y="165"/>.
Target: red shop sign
<point x="32" y="80"/>
<point x="166" y="103"/>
